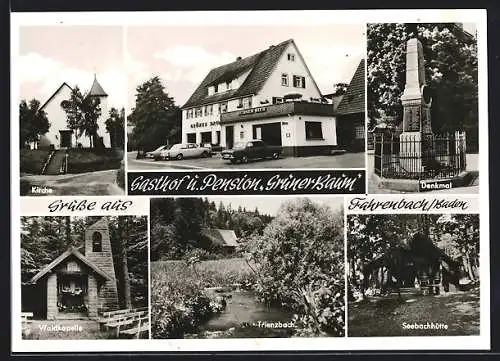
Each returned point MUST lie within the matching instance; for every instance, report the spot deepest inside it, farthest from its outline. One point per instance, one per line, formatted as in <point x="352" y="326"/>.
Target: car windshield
<point x="239" y="145"/>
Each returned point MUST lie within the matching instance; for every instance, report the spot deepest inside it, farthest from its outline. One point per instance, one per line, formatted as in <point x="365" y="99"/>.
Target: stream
<point x="242" y="315"/>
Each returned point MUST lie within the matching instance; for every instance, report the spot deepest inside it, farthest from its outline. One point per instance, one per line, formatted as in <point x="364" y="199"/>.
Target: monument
<point x="416" y="141"/>
<point x="417" y="159"/>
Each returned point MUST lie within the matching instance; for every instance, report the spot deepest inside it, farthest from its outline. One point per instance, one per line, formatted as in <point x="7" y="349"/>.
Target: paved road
<point x="92" y="183"/>
<point x="348" y="160"/>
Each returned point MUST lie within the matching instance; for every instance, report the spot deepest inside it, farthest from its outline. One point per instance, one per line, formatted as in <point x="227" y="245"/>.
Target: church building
<point x="59" y="135"/>
<point x="271" y="96"/>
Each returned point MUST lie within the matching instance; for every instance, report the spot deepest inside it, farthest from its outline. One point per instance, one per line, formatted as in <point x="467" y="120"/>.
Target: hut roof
<point x="69" y="252"/>
<point x="222" y="237"/>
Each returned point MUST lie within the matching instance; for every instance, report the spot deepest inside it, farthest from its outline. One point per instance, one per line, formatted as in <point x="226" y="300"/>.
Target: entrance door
<point x="229" y="136"/>
<point x="270" y="133"/>
<point x="65" y="137"/>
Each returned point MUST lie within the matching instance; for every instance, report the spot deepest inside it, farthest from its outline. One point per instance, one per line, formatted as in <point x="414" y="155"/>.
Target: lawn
<point x="384" y="316"/>
<point x="32" y="161"/>
<point x="212" y="273"/>
<point x="90" y="160"/>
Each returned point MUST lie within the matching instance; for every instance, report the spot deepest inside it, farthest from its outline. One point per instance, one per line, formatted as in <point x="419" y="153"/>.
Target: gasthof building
<point x="271" y="96"/>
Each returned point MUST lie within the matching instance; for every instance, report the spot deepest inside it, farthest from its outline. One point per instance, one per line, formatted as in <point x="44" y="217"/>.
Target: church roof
<point x="63" y="85"/>
<point x="69" y="252"/>
<point x="353" y="100"/>
<point x="96" y="90"/>
<point x="260" y="65"/>
<point x="222" y="237"/>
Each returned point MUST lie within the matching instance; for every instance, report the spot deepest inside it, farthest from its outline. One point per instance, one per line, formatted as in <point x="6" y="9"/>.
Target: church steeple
<point x="96" y="90"/>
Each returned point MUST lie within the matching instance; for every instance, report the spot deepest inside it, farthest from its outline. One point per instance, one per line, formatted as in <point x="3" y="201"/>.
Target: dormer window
<point x="291" y="57"/>
<point x="284" y="79"/>
<point x="96" y="242"/>
<point x="228" y="85"/>
<point x="216" y="88"/>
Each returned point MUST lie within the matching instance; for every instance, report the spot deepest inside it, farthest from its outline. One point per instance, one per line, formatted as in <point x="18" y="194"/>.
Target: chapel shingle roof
<point x="260" y="65"/>
<point x="353" y="100"/>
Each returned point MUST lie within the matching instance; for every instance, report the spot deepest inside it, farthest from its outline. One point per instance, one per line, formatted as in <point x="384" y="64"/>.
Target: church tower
<point x="98" y="251"/>
<point x="97" y="92"/>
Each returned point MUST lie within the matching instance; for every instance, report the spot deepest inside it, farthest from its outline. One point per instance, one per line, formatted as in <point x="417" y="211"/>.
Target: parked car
<point x="186" y="150"/>
<point x="156" y="154"/>
<point x="254" y="149"/>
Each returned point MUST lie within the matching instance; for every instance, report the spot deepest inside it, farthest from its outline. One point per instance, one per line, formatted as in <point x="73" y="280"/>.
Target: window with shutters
<point x="299" y="81"/>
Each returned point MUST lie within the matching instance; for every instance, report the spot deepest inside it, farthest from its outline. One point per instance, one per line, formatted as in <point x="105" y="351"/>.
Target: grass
<point x="32" y="161"/>
<point x="212" y="273"/>
<point x="88" y="160"/>
<point x="384" y="316"/>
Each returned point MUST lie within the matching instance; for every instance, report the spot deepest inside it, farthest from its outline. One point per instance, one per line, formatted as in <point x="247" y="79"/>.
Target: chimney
<point x="238" y="58"/>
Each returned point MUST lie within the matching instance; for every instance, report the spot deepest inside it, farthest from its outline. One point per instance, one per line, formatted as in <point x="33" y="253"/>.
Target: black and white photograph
<point x="71" y="110"/>
<point x="413" y="275"/>
<point x="84" y="278"/>
<point x="422" y="107"/>
<point x="249" y="97"/>
<point x="269" y="267"/>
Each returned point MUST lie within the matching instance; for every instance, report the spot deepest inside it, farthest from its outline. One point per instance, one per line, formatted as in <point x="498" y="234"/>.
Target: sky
<point x="183" y="55"/>
<point x="51" y="55"/>
<point x="271" y="205"/>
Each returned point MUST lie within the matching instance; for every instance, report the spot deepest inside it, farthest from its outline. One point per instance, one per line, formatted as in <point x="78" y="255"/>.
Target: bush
<point x="120" y="176"/>
<point x="91" y="159"/>
<point x="301" y="266"/>
<point x="32" y="161"/>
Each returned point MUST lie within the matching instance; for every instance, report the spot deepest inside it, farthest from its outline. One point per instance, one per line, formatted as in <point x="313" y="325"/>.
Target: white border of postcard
<point x="254" y="18"/>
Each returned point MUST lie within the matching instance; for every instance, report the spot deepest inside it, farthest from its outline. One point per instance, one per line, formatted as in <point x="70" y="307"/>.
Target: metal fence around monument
<point x="411" y="157"/>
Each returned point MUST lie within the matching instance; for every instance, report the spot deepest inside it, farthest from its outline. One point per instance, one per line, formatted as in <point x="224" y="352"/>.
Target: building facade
<point x="76" y="285"/>
<point x="59" y="135"/>
<point x="271" y="96"/>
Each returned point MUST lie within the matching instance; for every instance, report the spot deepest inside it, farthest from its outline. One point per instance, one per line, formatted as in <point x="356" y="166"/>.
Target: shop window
<point x="284" y="79"/>
<point x="191" y="138"/>
<point x="359" y="132"/>
<point x="313" y="130"/>
<point x="299" y="81"/>
<point x="97" y="242"/>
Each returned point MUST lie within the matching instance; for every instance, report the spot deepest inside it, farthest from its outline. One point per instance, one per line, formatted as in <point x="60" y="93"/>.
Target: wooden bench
<point x="131" y="320"/>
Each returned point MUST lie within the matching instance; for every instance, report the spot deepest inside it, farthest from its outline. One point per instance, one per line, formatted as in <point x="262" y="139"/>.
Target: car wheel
<point x="276" y="155"/>
<point x="244" y="159"/>
<point x="204" y="155"/>
<point x="233" y="161"/>
<point x="179" y="157"/>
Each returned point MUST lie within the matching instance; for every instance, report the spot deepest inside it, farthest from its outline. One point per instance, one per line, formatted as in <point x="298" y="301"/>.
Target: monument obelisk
<point x="416" y="101"/>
